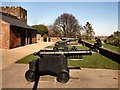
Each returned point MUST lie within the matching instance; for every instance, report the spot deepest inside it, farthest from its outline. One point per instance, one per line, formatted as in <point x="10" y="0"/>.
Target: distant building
<point x="14" y="31"/>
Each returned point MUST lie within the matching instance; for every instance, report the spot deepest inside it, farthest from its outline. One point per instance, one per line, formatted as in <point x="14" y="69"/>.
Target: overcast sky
<point x="102" y="15"/>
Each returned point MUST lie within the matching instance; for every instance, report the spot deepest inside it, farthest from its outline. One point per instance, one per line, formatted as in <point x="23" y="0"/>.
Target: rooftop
<point x="14" y="21"/>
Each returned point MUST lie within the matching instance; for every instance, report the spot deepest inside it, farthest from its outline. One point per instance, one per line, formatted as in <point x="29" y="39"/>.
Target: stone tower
<point x="19" y="12"/>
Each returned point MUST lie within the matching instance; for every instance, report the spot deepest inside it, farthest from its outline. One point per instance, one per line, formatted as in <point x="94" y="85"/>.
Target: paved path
<point x="9" y="56"/>
<point x="13" y="77"/>
<point x="13" y="74"/>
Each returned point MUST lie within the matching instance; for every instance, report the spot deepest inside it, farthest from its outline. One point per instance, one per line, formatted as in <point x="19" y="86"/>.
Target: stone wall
<point x="21" y="37"/>
<point x="110" y="54"/>
<point x="18" y="12"/>
<point x="105" y="52"/>
<point x="34" y="39"/>
<point x="54" y="39"/>
<point x="15" y="37"/>
<point x="4" y="35"/>
<point x="31" y="37"/>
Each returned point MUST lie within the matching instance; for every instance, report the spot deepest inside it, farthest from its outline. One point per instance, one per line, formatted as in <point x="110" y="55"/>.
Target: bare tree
<point x="89" y="30"/>
<point x="67" y="25"/>
<point x="53" y="31"/>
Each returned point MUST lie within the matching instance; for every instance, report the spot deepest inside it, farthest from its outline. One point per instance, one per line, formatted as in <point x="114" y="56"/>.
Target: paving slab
<point x="9" y="56"/>
<point x="13" y="77"/>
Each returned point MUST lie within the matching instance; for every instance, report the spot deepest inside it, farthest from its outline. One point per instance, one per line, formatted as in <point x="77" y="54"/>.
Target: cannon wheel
<point x="30" y="76"/>
<point x="68" y="70"/>
<point x="55" y="48"/>
<point x="66" y="48"/>
<point x="63" y="77"/>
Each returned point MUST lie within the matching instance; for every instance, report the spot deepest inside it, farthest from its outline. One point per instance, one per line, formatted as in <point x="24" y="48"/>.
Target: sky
<point x="103" y="16"/>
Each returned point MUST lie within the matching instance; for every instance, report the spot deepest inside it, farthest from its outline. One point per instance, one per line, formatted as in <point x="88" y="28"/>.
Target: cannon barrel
<point x="70" y="40"/>
<point x="63" y="44"/>
<point x="53" y="62"/>
<point x="65" y="53"/>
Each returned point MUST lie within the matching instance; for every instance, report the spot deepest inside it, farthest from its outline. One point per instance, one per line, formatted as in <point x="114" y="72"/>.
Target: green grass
<point x="69" y="46"/>
<point x="94" y="61"/>
<point x="107" y="46"/>
<point x="111" y="47"/>
<point x="51" y="46"/>
<point x="27" y="59"/>
<point x="79" y="47"/>
<point x="90" y="41"/>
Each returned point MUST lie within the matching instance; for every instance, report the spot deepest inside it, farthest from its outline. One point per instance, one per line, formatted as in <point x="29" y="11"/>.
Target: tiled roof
<point x="14" y="21"/>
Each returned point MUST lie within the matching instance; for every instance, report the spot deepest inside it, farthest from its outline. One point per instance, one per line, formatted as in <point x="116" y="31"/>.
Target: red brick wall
<point x="28" y="41"/>
<point x="0" y="33"/>
<point x="10" y="36"/>
<point x="15" y="37"/>
<point x="4" y="35"/>
<point x="31" y="34"/>
<point x="34" y="39"/>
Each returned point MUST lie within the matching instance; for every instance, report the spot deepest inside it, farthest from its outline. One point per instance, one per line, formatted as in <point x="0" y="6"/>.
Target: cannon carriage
<point x="64" y="44"/>
<point x="54" y="62"/>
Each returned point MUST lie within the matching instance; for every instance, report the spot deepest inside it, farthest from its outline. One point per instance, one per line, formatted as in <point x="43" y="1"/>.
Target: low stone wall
<point x="87" y="44"/>
<point x="52" y="39"/>
<point x="105" y="52"/>
<point x="110" y="54"/>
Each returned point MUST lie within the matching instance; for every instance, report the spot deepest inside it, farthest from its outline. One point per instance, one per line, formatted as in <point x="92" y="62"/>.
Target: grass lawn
<point x="107" y="46"/>
<point x="69" y="46"/>
<point x="27" y="59"/>
<point x="51" y="46"/>
<point x="111" y="47"/>
<point x="90" y="41"/>
<point x="94" y="61"/>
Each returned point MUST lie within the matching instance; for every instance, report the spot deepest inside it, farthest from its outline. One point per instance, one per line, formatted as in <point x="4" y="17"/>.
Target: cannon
<point x="63" y="44"/>
<point x="52" y="62"/>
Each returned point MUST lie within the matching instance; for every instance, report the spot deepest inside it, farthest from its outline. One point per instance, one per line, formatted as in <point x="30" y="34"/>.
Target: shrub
<point x="45" y="38"/>
<point x="113" y="39"/>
